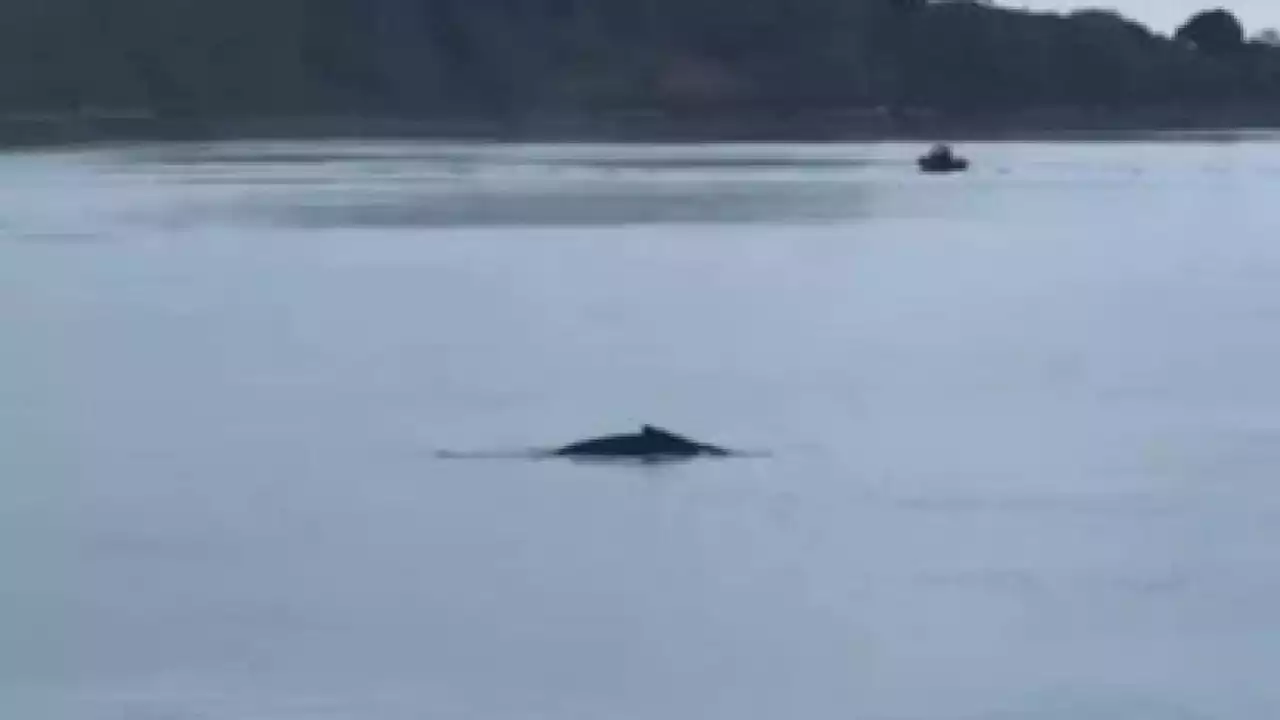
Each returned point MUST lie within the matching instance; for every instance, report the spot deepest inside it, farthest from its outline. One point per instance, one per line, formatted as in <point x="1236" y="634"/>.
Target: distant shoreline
<point x="35" y="130"/>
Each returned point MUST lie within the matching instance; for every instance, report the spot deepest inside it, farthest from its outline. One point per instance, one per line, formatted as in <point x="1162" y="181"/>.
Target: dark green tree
<point x="516" y="59"/>
<point x="1214" y="32"/>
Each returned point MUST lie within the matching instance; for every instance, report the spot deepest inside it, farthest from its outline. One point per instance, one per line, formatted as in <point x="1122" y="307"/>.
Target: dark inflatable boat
<point x="941" y="159"/>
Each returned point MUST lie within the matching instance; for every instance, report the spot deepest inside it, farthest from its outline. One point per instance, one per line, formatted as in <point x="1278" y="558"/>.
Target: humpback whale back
<point x="651" y="444"/>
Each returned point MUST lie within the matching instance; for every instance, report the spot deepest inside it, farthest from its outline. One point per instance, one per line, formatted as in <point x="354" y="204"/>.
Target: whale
<point x="651" y="443"/>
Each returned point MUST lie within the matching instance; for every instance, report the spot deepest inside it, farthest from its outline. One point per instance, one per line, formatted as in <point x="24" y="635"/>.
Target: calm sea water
<point x="1025" y="427"/>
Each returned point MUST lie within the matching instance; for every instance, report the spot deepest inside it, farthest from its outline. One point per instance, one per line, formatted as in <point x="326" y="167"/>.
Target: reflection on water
<point x="567" y="205"/>
<point x="501" y="156"/>
<point x="538" y="185"/>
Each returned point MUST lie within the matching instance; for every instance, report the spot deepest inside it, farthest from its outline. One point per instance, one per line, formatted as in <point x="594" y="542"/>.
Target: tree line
<point x="503" y="58"/>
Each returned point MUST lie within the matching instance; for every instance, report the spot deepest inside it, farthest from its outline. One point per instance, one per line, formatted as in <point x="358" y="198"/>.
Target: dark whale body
<point x="651" y="443"/>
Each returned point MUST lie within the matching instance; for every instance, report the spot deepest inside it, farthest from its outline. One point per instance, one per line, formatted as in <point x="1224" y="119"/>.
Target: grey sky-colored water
<point x="1166" y="15"/>
<point x="1024" y="429"/>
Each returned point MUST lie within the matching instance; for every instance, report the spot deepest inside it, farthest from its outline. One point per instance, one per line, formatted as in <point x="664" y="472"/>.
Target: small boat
<point x="940" y="159"/>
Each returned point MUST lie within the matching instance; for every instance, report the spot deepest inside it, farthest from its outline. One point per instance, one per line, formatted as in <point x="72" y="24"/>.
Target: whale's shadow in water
<point x="652" y="445"/>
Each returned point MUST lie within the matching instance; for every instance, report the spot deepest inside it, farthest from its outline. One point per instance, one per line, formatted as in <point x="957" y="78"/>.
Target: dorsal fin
<point x="653" y="431"/>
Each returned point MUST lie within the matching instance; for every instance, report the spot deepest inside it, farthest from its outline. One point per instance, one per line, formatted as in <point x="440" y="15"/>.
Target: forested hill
<point x="516" y="58"/>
